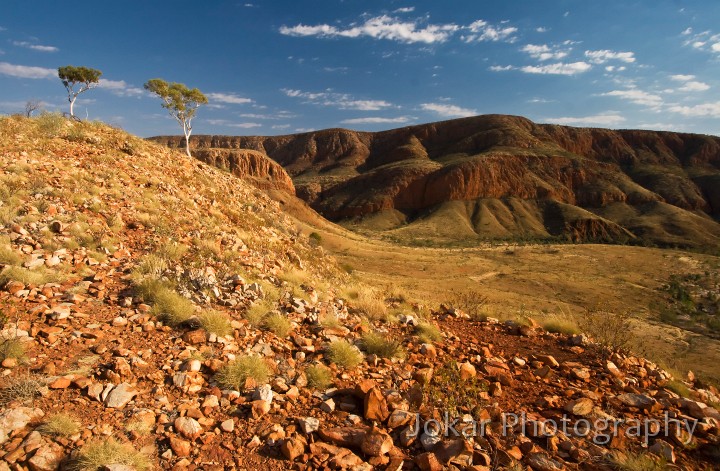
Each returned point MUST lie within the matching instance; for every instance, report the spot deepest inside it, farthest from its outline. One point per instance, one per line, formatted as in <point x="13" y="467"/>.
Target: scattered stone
<point x="120" y="395"/>
<point x="188" y="427"/>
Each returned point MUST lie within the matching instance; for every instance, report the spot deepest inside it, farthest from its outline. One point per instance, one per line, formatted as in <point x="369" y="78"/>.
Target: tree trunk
<point x="72" y="103"/>
<point x="187" y="140"/>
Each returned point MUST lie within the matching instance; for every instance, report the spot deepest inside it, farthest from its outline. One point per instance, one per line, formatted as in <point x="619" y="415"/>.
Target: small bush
<point x="445" y="393"/>
<point x="330" y="321"/>
<point x="613" y="331"/>
<point x="295" y="277"/>
<point x="172" y="251"/>
<point x="471" y="301"/>
<point x="256" y="313"/>
<point x="278" y="324"/>
<point x="7" y="255"/>
<point x="21" y="389"/>
<point x="97" y="454"/>
<point x="150" y="265"/>
<point x="315" y="239"/>
<point x="36" y="277"/>
<point x="343" y="354"/>
<point x="319" y="376"/>
<point x="60" y="425"/>
<point x="216" y="323"/>
<point x="679" y="388"/>
<point x="561" y="326"/>
<point x="11" y="347"/>
<point x="50" y="124"/>
<point x="168" y="306"/>
<point x="428" y="332"/>
<point x="371" y="305"/>
<point x="629" y="461"/>
<point x="378" y="344"/>
<point x="235" y="374"/>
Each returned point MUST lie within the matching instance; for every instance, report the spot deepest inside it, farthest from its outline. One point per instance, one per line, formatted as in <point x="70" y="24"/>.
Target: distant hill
<point x="503" y="177"/>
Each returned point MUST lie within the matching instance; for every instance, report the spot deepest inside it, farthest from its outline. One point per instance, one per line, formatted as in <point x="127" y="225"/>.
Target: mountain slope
<point x="551" y="181"/>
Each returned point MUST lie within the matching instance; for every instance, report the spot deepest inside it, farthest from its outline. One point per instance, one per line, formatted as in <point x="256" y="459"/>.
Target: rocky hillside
<point x="500" y="176"/>
<point x="159" y="313"/>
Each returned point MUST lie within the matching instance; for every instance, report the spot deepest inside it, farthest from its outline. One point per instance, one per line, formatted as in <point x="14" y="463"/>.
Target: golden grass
<point x="60" y="425"/>
<point x="278" y="324"/>
<point x="106" y="452"/>
<point x="428" y="332"/>
<point x="235" y="374"/>
<point x="376" y="343"/>
<point x="318" y="376"/>
<point x="215" y="322"/>
<point x="36" y="277"/>
<point x="343" y="354"/>
<point x="11" y="348"/>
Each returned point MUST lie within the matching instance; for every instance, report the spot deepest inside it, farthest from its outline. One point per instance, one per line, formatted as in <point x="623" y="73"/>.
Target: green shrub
<point x="428" y="332"/>
<point x="344" y="354"/>
<point x="98" y="454"/>
<point x="315" y="239"/>
<point x="235" y="374"/>
<point x="256" y="313"/>
<point x="378" y="344"/>
<point x="216" y="323"/>
<point x="168" y="306"/>
<point x="678" y="387"/>
<point x="7" y="255"/>
<point x="319" y="376"/>
<point x="36" y="277"/>
<point x="11" y="347"/>
<point x="278" y="324"/>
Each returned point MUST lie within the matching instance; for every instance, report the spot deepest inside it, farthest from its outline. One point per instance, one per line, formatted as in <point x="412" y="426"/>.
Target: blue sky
<point x="287" y="66"/>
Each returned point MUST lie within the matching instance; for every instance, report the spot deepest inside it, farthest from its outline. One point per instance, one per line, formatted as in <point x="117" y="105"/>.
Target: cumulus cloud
<point x="604" y="55"/>
<point x="26" y="71"/>
<point x="378" y="120"/>
<point x="543" y="52"/>
<point x="481" y="30"/>
<point x="448" y="111"/>
<point x="704" y="41"/>
<point x="710" y="110"/>
<point x="639" y="97"/>
<point x="379" y="27"/>
<point x="607" y="119"/>
<point x="229" y="98"/>
<point x="501" y="68"/>
<point x="35" y="47"/>
<point x="560" y="68"/>
<point x="542" y="29"/>
<point x="689" y="83"/>
<point x="340" y="100"/>
<point x="120" y="87"/>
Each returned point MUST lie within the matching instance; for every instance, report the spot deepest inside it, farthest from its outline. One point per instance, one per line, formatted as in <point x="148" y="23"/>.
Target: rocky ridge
<point x="515" y="178"/>
<point x="94" y="207"/>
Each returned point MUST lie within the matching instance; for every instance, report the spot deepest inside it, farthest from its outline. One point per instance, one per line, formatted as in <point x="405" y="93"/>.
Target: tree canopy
<point x="180" y="101"/>
<point x="83" y="77"/>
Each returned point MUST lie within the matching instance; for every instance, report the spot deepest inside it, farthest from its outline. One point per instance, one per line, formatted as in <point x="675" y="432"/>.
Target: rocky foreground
<point x="345" y="378"/>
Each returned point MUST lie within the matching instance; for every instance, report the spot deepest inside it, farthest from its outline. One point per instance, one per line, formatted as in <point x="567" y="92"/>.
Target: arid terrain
<point x="159" y="312"/>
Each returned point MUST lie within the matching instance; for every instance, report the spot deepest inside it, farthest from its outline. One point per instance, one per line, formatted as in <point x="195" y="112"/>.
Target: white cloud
<point x="542" y="29"/>
<point x="634" y="95"/>
<point x="710" y="110"/>
<point x="120" y="87"/>
<point x="379" y="27"/>
<point x="615" y="68"/>
<point x="448" y="111"/>
<point x="405" y="10"/>
<point x="704" y="41"/>
<point x="25" y="71"/>
<point x="543" y="52"/>
<point x="229" y="98"/>
<point x="604" y="55"/>
<point x="35" y="47"/>
<point x="608" y="119"/>
<point x="481" y="30"/>
<point x="340" y="100"/>
<point x="559" y="68"/>
<point x="280" y="126"/>
<point x="378" y="120"/>
<point x="694" y="86"/>
<point x="681" y="78"/>
<point x="231" y="124"/>
<point x="501" y="68"/>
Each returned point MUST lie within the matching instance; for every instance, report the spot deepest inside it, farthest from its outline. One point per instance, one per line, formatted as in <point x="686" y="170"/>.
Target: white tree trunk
<point x="187" y="132"/>
<point x="72" y="103"/>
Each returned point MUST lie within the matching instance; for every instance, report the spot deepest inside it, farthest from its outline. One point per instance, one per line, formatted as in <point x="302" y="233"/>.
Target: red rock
<point x="60" y="383"/>
<point x="376" y="443"/>
<point x="180" y="447"/>
<point x="376" y="406"/>
<point x="467" y="371"/>
<point x="195" y="337"/>
<point x="428" y="462"/>
<point x="292" y="448"/>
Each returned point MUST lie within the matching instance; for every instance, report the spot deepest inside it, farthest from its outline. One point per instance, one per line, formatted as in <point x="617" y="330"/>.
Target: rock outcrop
<point x="618" y="177"/>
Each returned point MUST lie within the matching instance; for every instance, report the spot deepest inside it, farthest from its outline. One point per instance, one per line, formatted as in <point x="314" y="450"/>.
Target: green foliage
<point x="278" y="324"/>
<point x="561" y="325"/>
<point x="628" y="461"/>
<point x="215" y="322"/>
<point x="11" y="347"/>
<point x="428" y="332"/>
<point x="60" y="425"/>
<point x="99" y="454"/>
<point x="343" y="354"/>
<point x="375" y="343"/>
<point x="447" y="391"/>
<point x="679" y="388"/>
<point x="235" y="374"/>
<point x="318" y="376"/>
<point x="168" y="306"/>
<point x="84" y="78"/>
<point x="315" y="239"/>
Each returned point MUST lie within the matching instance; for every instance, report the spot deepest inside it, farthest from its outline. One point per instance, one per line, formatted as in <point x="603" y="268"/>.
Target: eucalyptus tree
<point x="78" y="80"/>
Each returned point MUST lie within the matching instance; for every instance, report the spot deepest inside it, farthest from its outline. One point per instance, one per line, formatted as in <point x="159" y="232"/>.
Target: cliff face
<point x="616" y="177"/>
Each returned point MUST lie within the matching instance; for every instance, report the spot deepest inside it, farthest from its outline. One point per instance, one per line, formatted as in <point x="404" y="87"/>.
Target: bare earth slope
<point x="499" y="176"/>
